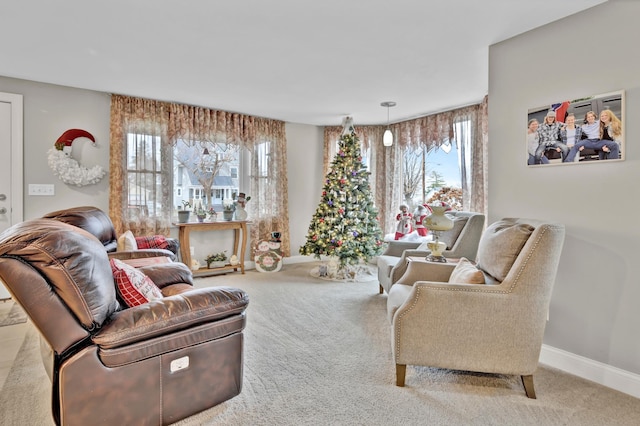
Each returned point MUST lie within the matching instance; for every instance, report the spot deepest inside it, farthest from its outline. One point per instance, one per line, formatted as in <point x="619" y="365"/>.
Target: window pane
<point x="427" y="174"/>
<point x="144" y="175"/>
<point x="206" y="171"/>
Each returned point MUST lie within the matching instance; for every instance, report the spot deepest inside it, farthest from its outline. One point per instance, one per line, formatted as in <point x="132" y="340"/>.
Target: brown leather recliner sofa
<point x="151" y="364"/>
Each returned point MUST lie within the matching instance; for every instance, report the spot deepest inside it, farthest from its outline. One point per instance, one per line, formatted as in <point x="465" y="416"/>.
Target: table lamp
<point x="437" y="222"/>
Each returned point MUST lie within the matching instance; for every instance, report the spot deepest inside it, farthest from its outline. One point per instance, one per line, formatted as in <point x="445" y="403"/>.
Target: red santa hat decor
<point x="67" y="138"/>
<point x="65" y="167"/>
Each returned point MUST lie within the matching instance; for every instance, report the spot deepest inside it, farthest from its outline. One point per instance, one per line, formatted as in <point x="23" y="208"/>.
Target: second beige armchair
<point x="462" y="241"/>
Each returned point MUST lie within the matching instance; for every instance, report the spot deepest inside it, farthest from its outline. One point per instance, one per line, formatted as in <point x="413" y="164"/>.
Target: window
<point x="430" y="174"/>
<point x="144" y="175"/>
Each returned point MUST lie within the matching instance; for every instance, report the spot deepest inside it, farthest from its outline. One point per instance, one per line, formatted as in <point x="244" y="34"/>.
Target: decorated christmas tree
<point x="345" y="224"/>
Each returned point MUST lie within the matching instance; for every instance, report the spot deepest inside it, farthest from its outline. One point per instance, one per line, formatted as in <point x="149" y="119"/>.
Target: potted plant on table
<point x="216" y="260"/>
<point x="201" y="214"/>
<point x="183" y="215"/>
<point x="229" y="207"/>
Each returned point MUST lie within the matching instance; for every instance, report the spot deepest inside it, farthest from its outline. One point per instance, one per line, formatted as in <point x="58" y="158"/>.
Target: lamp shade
<point x="387" y="138"/>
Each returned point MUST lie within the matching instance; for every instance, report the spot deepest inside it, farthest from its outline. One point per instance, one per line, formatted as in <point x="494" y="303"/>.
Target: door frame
<point x="16" y="206"/>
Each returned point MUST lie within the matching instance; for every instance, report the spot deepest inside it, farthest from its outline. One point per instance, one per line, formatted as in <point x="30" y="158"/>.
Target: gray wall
<point x="594" y="309"/>
<point x="49" y="110"/>
<point x="304" y="170"/>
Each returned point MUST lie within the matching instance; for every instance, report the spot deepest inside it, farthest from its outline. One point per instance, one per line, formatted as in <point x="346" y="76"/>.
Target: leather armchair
<point x="98" y="223"/>
<point x="462" y="241"/>
<point x="150" y="364"/>
<point x="496" y="327"/>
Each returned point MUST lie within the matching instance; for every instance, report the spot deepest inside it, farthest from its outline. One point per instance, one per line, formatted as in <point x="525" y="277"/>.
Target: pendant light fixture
<point x="387" y="138"/>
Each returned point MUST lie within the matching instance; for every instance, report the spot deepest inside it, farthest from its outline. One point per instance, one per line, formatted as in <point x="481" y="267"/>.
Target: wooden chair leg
<point x="527" y="382"/>
<point x="401" y="371"/>
<point x="381" y="288"/>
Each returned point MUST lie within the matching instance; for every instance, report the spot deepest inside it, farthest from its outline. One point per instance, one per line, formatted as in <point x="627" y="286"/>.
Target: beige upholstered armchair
<point x="462" y="241"/>
<point x="488" y="317"/>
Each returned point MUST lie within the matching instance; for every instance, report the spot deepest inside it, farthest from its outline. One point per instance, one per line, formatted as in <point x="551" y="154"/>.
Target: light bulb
<point x="387" y="138"/>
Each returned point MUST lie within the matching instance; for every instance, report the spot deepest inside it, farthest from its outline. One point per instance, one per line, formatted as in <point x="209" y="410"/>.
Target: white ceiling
<point x="300" y="61"/>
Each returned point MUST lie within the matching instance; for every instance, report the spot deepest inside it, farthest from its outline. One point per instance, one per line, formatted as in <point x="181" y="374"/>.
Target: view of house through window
<point x="206" y="172"/>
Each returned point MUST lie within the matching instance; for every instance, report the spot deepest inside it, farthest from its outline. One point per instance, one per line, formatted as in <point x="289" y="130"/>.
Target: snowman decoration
<point x="268" y="256"/>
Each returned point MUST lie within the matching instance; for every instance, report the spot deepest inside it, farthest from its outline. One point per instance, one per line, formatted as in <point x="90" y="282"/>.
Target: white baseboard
<point x="606" y="375"/>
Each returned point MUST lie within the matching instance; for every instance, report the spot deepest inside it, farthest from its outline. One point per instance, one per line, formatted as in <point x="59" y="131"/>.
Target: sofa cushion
<point x="451" y="236"/>
<point x="500" y="245"/>
<point x="466" y="272"/>
<point x="134" y="287"/>
<point x="127" y="242"/>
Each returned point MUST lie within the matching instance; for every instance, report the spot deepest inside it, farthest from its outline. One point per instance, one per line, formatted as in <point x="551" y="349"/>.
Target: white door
<point x="11" y="188"/>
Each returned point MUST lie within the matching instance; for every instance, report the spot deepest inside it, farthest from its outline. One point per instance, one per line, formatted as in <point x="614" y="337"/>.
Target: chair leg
<point x="401" y="371"/>
<point x="527" y="382"/>
<point x="381" y="288"/>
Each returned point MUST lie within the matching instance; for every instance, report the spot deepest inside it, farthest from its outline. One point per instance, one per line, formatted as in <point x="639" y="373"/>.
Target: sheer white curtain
<point x="472" y="136"/>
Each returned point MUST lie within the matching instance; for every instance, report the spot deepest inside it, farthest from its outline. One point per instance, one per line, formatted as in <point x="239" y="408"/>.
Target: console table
<point x="239" y="228"/>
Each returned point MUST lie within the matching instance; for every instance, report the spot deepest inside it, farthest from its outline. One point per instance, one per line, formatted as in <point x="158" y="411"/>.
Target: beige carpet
<point x="318" y="353"/>
<point x="15" y="315"/>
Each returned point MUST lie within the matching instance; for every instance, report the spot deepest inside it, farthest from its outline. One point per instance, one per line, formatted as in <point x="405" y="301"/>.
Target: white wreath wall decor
<point x="66" y="168"/>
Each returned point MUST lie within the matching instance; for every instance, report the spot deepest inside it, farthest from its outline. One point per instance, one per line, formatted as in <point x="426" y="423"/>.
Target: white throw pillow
<point x="127" y="242"/>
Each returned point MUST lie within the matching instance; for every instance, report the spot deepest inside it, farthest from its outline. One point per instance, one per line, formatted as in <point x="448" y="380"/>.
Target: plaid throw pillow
<point x="134" y="287"/>
<point x="154" y="242"/>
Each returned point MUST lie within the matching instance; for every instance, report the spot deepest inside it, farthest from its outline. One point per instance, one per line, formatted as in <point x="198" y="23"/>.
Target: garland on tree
<point x="345" y="224"/>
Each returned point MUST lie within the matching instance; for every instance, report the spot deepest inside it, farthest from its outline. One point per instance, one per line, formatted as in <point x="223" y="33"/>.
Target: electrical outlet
<point x="41" y="189"/>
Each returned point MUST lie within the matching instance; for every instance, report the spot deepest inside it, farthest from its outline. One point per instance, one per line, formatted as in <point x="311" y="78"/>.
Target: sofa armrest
<point x="401" y="267"/>
<point x="395" y="248"/>
<point x="426" y="271"/>
<point x="142" y="253"/>
<point x="170" y="314"/>
<point x="166" y="274"/>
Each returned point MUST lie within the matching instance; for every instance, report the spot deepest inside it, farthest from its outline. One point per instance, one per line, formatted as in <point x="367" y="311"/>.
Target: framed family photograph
<point x="577" y="131"/>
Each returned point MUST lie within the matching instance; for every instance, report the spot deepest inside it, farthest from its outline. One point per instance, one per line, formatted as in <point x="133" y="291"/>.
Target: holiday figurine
<point x="419" y="215"/>
<point x="404" y="219"/>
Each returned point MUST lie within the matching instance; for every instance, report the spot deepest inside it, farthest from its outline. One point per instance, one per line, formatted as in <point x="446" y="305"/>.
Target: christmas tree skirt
<point x="350" y="273"/>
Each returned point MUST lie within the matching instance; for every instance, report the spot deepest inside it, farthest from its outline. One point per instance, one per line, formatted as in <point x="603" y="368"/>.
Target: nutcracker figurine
<point x="404" y="219"/>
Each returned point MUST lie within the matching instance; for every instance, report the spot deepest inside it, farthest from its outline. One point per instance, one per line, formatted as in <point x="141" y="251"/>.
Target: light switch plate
<point x="42" y="189"/>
